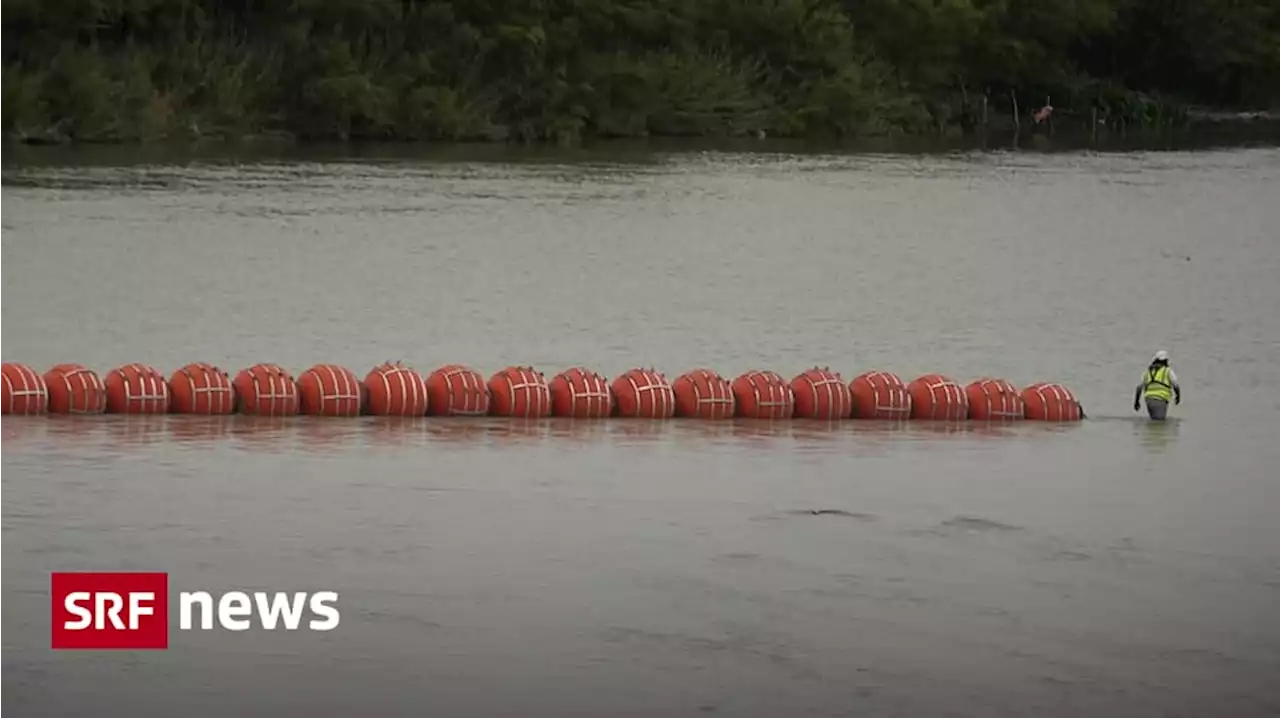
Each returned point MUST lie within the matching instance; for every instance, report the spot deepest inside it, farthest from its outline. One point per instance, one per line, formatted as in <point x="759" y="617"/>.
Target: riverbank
<point x="1200" y="127"/>
<point x="1196" y="128"/>
<point x="116" y="116"/>
<point x="571" y="72"/>
<point x="15" y="156"/>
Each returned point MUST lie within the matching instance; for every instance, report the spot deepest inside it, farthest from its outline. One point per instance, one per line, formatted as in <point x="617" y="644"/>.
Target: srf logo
<point x="131" y="610"/>
<point x="110" y="610"/>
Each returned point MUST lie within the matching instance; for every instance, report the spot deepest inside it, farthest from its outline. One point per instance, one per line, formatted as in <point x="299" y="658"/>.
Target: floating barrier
<point x="393" y="389"/>
<point x="329" y="390"/>
<point x="644" y="394"/>
<point x="521" y="392"/>
<point x="266" y="390"/>
<point x="935" y="397"/>
<point x="821" y="394"/>
<point x="703" y="394"/>
<point x="457" y="390"/>
<point x="25" y="391"/>
<point x="763" y="395"/>
<point x="73" y="389"/>
<point x="579" y="393"/>
<point x="136" y="389"/>
<point x="880" y="395"/>
<point x="1051" y="402"/>
<point x="994" y="400"/>
<point x="200" y="388"/>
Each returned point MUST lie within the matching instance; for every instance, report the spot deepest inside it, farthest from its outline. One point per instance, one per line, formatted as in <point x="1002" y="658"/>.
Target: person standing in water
<point x="1159" y="384"/>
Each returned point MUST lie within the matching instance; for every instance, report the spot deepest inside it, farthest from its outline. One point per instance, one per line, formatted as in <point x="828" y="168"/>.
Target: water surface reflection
<point x="119" y="435"/>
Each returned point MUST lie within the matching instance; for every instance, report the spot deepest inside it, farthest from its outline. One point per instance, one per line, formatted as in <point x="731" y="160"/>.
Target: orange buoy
<point x="879" y="395"/>
<point x="74" y="389"/>
<point x="763" y="395"/>
<point x="25" y="391"/>
<point x="329" y="390"/>
<point x="395" y="390"/>
<point x="580" y="394"/>
<point x="821" y="394"/>
<point x="644" y="394"/>
<point x="994" y="400"/>
<point x="266" y="390"/>
<point x="136" y="389"/>
<point x="703" y="394"/>
<point x="520" y="391"/>
<point x="200" y="388"/>
<point x="456" y="390"/>
<point x="1048" y="401"/>
<point x="934" y="396"/>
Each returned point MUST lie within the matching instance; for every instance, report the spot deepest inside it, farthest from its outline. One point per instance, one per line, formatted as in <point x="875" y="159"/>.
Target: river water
<point x="490" y="568"/>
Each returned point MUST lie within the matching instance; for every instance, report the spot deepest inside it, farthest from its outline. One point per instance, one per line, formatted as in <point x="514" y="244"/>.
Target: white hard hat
<point x="1161" y="355"/>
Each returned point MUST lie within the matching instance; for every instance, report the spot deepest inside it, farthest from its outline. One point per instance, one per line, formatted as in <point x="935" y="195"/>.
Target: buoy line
<point x="394" y="389"/>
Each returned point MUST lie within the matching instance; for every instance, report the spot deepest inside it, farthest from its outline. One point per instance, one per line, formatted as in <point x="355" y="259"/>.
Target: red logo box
<point x="110" y="611"/>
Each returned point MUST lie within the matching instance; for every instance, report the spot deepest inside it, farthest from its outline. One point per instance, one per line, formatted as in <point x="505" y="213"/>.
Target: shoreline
<point x="1072" y="122"/>
<point x="1068" y="124"/>
<point x="1220" y="129"/>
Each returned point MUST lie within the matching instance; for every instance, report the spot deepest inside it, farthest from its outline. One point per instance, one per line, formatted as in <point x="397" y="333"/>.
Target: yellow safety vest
<point x="1158" y="386"/>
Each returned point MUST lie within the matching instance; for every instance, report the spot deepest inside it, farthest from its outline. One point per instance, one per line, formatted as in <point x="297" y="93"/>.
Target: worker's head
<point x="1161" y="357"/>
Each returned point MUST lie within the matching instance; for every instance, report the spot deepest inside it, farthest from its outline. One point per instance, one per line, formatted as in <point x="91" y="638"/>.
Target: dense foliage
<point x="566" y="69"/>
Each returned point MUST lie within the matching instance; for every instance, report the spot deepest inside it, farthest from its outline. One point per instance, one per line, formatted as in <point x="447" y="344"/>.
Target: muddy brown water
<point x="492" y="568"/>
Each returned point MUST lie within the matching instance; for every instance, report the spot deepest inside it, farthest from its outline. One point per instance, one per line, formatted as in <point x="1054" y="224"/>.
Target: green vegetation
<point x="562" y="70"/>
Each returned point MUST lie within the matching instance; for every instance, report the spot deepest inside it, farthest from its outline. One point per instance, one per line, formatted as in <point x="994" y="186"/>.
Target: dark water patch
<point x="1126" y="544"/>
<point x="815" y="513"/>
<point x="1068" y="556"/>
<point x="739" y="557"/>
<point x="832" y="512"/>
<point x="977" y="524"/>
